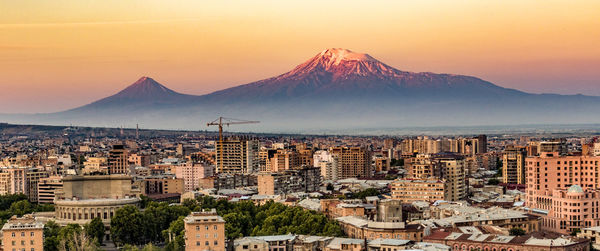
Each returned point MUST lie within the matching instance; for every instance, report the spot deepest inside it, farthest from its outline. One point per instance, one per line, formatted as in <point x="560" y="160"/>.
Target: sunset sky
<point x="59" y="54"/>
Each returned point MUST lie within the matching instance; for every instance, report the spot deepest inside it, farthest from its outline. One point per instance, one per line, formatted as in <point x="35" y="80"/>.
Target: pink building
<point x="567" y="188"/>
<point x="192" y="173"/>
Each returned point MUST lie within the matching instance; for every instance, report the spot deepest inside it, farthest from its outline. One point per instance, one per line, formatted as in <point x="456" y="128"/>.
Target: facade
<point x="410" y="190"/>
<point x="493" y="242"/>
<point x="21" y="180"/>
<point x="353" y="162"/>
<point x="228" y="181"/>
<point x="389" y="211"/>
<point x="237" y="156"/>
<point x="453" y="169"/>
<point x="291" y="181"/>
<point x="513" y="165"/>
<point x="83" y="198"/>
<point x="359" y="228"/>
<point x="191" y="173"/>
<point x="47" y="188"/>
<point x="118" y="160"/>
<point x="95" y="165"/>
<point x="204" y="231"/>
<point x="23" y="234"/>
<point x="423" y="166"/>
<point x="327" y="163"/>
<point x="162" y="185"/>
<point x="566" y="189"/>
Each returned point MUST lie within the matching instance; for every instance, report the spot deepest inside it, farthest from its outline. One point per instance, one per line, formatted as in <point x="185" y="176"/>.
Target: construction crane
<point x="221" y="121"/>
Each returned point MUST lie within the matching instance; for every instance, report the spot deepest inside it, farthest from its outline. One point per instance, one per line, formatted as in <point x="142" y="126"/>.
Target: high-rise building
<point x="47" y="188"/>
<point x="566" y="189"/>
<point x="513" y="165"/>
<point x="32" y="177"/>
<point x="453" y="171"/>
<point x="204" y="231"/>
<point x="118" y="160"/>
<point x="482" y="143"/>
<point x="237" y="155"/>
<point x="353" y="162"/>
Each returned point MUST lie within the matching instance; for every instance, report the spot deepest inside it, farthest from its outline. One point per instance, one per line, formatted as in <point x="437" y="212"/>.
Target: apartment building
<point x="204" y="231"/>
<point x="353" y="162"/>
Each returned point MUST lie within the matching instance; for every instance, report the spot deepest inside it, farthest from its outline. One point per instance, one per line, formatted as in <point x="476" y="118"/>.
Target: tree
<point x="20" y="208"/>
<point x="127" y="226"/>
<point x="78" y="241"/>
<point x="516" y="231"/>
<point x="175" y="236"/>
<point x="51" y="239"/>
<point x="95" y="229"/>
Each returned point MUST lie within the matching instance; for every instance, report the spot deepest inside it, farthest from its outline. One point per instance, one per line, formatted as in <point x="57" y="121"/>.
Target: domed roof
<point x="575" y="189"/>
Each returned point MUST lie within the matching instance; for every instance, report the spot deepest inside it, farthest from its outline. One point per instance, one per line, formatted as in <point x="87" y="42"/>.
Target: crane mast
<point x="225" y="121"/>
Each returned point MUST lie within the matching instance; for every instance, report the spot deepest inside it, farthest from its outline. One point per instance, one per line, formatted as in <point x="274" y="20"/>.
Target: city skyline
<point x="76" y="53"/>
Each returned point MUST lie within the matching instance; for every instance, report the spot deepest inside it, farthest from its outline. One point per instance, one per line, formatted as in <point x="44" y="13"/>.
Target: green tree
<point x="20" y="208"/>
<point x="96" y="230"/>
<point x="175" y="236"/>
<point x="129" y="247"/>
<point x="127" y="226"/>
<point x="51" y="238"/>
<point x="516" y="231"/>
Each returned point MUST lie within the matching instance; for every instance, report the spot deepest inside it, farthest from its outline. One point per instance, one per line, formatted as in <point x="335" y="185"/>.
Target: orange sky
<point x="60" y="54"/>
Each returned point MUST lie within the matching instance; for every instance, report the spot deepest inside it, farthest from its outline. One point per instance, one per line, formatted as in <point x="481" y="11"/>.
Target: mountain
<point x="142" y="95"/>
<point x="334" y="90"/>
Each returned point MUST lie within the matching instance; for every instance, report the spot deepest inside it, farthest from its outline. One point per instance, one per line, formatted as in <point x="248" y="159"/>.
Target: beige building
<point x="410" y="190"/>
<point x="513" y="165"/>
<point x="23" y="234"/>
<point x="237" y="155"/>
<point x="204" y="231"/>
<point x="353" y="162"/>
<point x="21" y="180"/>
<point x="162" y="185"/>
<point x="47" y="188"/>
<point x="95" y="165"/>
<point x="118" y="160"/>
<point x="83" y="198"/>
<point x="455" y="177"/>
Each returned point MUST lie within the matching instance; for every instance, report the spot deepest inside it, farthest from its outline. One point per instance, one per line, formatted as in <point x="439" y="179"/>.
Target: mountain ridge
<point x="335" y="88"/>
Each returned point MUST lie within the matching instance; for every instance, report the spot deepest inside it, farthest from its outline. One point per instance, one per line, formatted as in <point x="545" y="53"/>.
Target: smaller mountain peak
<point x="144" y="79"/>
<point x="337" y="55"/>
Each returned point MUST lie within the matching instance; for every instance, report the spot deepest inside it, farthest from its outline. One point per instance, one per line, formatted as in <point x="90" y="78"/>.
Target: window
<point x="197" y="228"/>
<point x="215" y="227"/>
<point x="31" y="242"/>
<point x="32" y="234"/>
<point x="216" y="243"/>
<point x="206" y="243"/>
<point x="197" y="243"/>
<point x="13" y="234"/>
<point x="206" y="227"/>
<point x="22" y="233"/>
